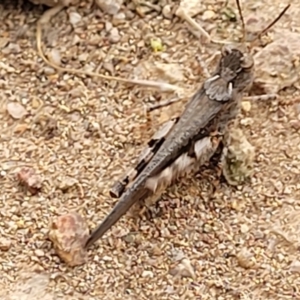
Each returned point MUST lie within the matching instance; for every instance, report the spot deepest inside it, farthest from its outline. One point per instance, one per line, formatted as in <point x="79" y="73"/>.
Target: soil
<point x="79" y="133"/>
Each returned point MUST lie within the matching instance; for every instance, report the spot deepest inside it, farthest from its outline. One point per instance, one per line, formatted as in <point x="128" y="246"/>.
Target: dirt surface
<point x="80" y="133"/>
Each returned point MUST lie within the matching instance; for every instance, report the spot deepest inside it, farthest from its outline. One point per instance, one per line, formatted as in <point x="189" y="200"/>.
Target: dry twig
<point x="145" y="83"/>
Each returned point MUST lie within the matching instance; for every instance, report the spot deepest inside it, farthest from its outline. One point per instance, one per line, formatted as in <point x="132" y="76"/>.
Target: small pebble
<point x="114" y="36"/>
<point x="295" y="124"/>
<point x="55" y="57"/>
<point x="245" y="259"/>
<point x="110" y="7"/>
<point x="39" y="252"/>
<point x="68" y="234"/>
<point x="64" y="183"/>
<point x="247" y="121"/>
<point x="48" y="71"/>
<point x="108" y="26"/>
<point x="118" y="19"/>
<point x="246" y="106"/>
<point x="75" y="18"/>
<point x="5" y="244"/>
<point x="12" y="49"/>
<point x="244" y="228"/>
<point x="16" y="110"/>
<point x="295" y="267"/>
<point x="28" y="178"/>
<point x="147" y="274"/>
<point x="208" y="15"/>
<point x="167" y="12"/>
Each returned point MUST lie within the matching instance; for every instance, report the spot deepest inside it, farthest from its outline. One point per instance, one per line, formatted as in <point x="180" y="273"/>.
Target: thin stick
<point x="185" y="16"/>
<point x="265" y="97"/>
<point x="203" y="66"/>
<point x="146" y="83"/>
<point x="242" y="19"/>
<point x="272" y="23"/>
<point x="163" y="104"/>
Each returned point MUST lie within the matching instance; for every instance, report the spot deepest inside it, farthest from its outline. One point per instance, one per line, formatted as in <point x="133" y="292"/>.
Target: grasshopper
<point x="185" y="143"/>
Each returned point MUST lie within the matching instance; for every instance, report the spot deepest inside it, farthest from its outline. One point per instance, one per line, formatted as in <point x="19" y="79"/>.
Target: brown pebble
<point x="68" y="234"/>
<point x="5" y="244"/>
<point x="245" y="259"/>
<point x="246" y="106"/>
<point x="29" y="178"/>
<point x="295" y="124"/>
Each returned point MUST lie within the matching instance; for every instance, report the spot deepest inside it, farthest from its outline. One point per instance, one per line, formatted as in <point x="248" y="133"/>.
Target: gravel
<point x="80" y="133"/>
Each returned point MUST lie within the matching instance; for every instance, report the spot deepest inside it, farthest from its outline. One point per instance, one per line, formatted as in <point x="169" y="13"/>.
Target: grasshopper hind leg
<point x="146" y="155"/>
<point x="214" y="164"/>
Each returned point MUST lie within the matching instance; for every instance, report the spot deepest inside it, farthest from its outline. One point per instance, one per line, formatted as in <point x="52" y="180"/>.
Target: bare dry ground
<point x="80" y="133"/>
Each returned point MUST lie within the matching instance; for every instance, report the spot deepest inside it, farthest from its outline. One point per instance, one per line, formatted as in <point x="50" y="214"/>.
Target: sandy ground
<point x="80" y="133"/>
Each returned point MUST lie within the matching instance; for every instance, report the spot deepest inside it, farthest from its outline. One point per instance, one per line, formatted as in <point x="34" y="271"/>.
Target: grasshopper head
<point x="237" y="66"/>
<point x="240" y="52"/>
<point x="234" y="75"/>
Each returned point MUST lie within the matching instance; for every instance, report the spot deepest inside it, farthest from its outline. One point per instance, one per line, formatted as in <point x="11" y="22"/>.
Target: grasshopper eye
<point x="226" y="50"/>
<point x="247" y="62"/>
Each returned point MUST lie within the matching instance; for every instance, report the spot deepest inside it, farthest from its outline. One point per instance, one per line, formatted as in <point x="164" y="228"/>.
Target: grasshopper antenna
<point x="242" y="20"/>
<point x="271" y="24"/>
<point x="243" y="26"/>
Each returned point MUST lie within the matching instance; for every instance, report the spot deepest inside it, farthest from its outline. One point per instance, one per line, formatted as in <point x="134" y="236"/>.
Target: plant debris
<point x="238" y="157"/>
